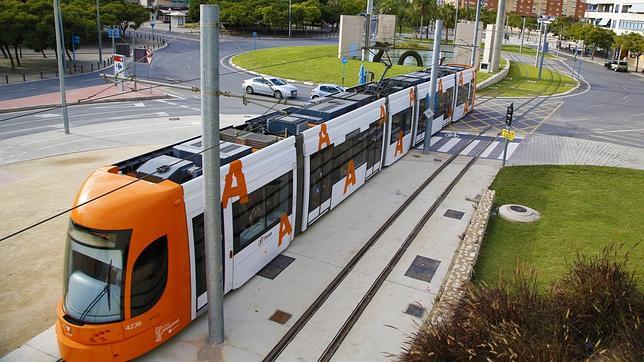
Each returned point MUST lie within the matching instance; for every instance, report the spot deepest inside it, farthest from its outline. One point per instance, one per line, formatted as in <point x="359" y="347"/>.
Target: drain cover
<point x="422" y="268"/>
<point x="276" y="266"/>
<point x="415" y="310"/>
<point x="454" y="214"/>
<point x="518" y="213"/>
<point x="280" y="317"/>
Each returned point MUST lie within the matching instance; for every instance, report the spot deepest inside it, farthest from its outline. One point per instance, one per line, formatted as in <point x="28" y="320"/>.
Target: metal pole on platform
<point x="477" y="22"/>
<point x="498" y="36"/>
<point x="522" y="34"/>
<point x="289" y="18"/>
<point x="60" y="48"/>
<point x="433" y="80"/>
<point x="367" y="31"/>
<point x="98" y="28"/>
<point x="543" y="48"/>
<point x="536" y="59"/>
<point x="210" y="126"/>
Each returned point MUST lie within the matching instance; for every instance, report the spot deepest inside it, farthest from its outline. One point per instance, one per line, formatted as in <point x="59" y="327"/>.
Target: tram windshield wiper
<point x="94" y="302"/>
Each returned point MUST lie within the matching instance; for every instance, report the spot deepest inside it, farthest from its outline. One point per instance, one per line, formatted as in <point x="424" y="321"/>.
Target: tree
<point x="401" y="8"/>
<point x="447" y="12"/>
<point x="124" y="15"/>
<point x="633" y="43"/>
<point x="560" y="24"/>
<point x="598" y="38"/>
<point x="423" y="8"/>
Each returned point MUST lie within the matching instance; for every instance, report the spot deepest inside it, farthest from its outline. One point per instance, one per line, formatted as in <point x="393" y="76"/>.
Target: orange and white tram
<point x="135" y="272"/>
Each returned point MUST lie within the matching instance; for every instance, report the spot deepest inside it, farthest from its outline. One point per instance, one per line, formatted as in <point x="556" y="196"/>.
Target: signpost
<point x="544" y="21"/>
<point x="344" y="63"/>
<point x="75" y="41"/>
<point x="119" y="66"/>
<point x="255" y="39"/>
<point x="506" y="133"/>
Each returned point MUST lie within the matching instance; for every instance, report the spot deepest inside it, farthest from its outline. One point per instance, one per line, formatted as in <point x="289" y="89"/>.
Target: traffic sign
<point x="76" y="39"/>
<point x="148" y="55"/>
<point x="119" y="64"/>
<point x="254" y="34"/>
<point x="344" y="60"/>
<point x="506" y="133"/>
<point x="152" y="24"/>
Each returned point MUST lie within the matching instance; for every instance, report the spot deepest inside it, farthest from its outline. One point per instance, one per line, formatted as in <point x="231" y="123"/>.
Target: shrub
<point x="593" y="313"/>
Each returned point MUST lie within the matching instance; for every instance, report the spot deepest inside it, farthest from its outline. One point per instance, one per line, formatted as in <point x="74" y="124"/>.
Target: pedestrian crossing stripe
<point x="447" y="142"/>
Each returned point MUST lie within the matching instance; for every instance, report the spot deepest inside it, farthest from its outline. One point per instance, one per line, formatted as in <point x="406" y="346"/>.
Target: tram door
<point x="321" y="166"/>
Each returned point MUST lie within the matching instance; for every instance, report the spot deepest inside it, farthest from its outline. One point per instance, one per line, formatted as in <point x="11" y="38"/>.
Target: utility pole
<point x="367" y="31"/>
<point x="522" y="33"/>
<point x="474" y="62"/>
<point x="289" y="18"/>
<point x="457" y="3"/>
<point x="498" y="37"/>
<point x="543" y="48"/>
<point x="98" y="29"/>
<point x="60" y="48"/>
<point x="536" y="59"/>
<point x="212" y="214"/>
<point x="432" y="84"/>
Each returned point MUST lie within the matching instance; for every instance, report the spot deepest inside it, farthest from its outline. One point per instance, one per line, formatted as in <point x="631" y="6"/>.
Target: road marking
<point x="489" y="149"/>
<point x="161" y="101"/>
<point x="184" y="106"/>
<point x="470" y="147"/>
<point x="47" y="115"/>
<point x="624" y="130"/>
<point x="139" y="105"/>
<point x="512" y="146"/>
<point x="196" y="109"/>
<point x="447" y="146"/>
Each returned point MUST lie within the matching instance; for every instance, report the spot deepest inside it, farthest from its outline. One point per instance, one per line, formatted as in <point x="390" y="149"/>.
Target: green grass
<point x="319" y="64"/>
<point x="525" y="50"/>
<point x="523" y="81"/>
<point x="481" y="76"/>
<point x="419" y="43"/>
<point x="583" y="208"/>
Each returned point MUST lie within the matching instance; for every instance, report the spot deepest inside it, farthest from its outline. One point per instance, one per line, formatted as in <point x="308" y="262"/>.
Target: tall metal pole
<point x="98" y="29"/>
<point x="475" y="37"/>
<point x="60" y="48"/>
<point x="498" y="37"/>
<point x="536" y="58"/>
<point x="457" y="3"/>
<point x="210" y="126"/>
<point x="543" y="48"/>
<point x="367" y="31"/>
<point x="522" y="34"/>
<point x="289" y="18"/>
<point x="433" y="80"/>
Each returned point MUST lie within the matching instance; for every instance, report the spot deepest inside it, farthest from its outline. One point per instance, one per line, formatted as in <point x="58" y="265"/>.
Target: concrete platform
<point x="320" y="253"/>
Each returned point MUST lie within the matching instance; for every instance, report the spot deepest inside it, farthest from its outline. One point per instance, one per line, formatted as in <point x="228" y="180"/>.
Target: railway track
<point x="342" y="333"/>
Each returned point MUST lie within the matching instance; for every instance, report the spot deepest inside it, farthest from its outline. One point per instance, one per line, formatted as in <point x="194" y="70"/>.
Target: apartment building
<point x="621" y="16"/>
<point x="574" y="8"/>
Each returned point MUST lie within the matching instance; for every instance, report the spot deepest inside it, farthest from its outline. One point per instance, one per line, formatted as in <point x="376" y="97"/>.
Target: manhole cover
<point x="518" y="208"/>
<point x="280" y="317"/>
<point x="454" y="214"/>
<point x="422" y="268"/>
<point x="415" y="310"/>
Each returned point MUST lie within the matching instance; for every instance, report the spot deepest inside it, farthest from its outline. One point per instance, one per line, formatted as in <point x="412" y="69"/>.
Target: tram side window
<point x="321" y="182"/>
<point x="149" y="276"/>
<point x="400" y="121"/>
<point x="341" y="156"/>
<point x="374" y="144"/>
<point x="262" y="212"/>
<point x="445" y="102"/>
<point x="463" y="93"/>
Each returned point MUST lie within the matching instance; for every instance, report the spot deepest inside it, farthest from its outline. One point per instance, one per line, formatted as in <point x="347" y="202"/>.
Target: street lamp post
<point x="98" y="28"/>
<point x="289" y="18"/>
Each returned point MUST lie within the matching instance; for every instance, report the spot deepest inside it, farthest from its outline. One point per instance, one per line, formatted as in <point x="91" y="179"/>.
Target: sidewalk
<point x="95" y="94"/>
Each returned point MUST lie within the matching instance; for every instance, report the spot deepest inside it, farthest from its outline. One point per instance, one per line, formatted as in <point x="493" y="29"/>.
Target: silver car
<point x="324" y="90"/>
<point x="275" y="87"/>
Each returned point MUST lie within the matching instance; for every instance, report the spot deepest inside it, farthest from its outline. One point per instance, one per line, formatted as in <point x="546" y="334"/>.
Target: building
<point x="621" y="16"/>
<point x="574" y="8"/>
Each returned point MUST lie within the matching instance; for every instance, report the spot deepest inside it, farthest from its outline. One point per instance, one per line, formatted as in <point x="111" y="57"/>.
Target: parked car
<point x="609" y="63"/>
<point x="275" y="87"/>
<point x="619" y="66"/>
<point x="324" y="90"/>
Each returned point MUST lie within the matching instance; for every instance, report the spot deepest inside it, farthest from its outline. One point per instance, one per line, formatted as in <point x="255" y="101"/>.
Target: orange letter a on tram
<point x="323" y="137"/>
<point x="399" y="144"/>
<point x="235" y="171"/>
<point x="351" y="176"/>
<point x="285" y="228"/>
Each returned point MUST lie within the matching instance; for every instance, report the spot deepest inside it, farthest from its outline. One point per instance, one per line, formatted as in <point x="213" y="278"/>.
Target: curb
<point x="230" y="62"/>
<point x="57" y="105"/>
<point x="495" y="78"/>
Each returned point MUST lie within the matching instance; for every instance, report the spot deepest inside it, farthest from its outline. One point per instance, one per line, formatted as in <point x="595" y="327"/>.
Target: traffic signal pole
<point x="60" y="49"/>
<point x="433" y="80"/>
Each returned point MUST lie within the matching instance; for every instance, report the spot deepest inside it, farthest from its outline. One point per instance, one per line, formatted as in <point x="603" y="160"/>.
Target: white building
<point x="621" y="16"/>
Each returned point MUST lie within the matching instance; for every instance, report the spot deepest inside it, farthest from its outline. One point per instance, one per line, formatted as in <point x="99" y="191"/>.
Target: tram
<point x="135" y="272"/>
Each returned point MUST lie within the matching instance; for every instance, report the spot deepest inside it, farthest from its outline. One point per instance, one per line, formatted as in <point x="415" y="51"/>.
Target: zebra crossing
<point x="451" y="142"/>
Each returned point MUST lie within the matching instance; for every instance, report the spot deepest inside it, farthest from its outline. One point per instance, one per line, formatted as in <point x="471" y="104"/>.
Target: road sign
<point x="254" y="34"/>
<point x="152" y="24"/>
<point x="114" y="33"/>
<point x="119" y="64"/>
<point x="429" y="113"/>
<point x="76" y="39"/>
<point x="148" y="55"/>
<point x="509" y="113"/>
<point x="506" y="133"/>
<point x="344" y="60"/>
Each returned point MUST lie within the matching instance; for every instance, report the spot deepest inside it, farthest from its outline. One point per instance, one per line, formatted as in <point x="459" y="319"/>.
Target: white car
<point x="275" y="87"/>
<point x="324" y="90"/>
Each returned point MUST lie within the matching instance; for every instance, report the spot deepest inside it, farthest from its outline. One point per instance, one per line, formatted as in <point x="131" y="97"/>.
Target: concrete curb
<point x="57" y="105"/>
<point x="230" y="62"/>
<point x="495" y="78"/>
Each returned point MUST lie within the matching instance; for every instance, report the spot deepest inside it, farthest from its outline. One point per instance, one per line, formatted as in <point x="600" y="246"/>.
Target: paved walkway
<point x="100" y="93"/>
<point x="538" y="149"/>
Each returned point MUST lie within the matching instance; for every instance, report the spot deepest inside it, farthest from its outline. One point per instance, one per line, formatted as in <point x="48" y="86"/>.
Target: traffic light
<point x="508" y="115"/>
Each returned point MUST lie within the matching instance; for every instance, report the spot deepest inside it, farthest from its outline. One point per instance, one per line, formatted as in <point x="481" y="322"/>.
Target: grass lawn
<point x="319" y="64"/>
<point x="583" y="208"/>
<point x="522" y="81"/>
<point x="510" y="48"/>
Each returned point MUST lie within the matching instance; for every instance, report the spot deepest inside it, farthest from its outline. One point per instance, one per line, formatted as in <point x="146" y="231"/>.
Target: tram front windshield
<point x="94" y="278"/>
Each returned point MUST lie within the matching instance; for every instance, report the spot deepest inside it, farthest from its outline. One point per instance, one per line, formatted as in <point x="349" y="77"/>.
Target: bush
<point x="593" y="313"/>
